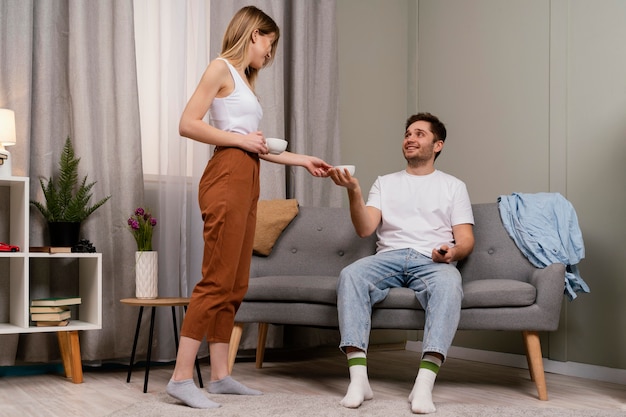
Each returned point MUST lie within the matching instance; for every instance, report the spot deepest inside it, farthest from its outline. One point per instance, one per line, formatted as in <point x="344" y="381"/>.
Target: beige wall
<point x="373" y="62"/>
<point x="534" y="96"/>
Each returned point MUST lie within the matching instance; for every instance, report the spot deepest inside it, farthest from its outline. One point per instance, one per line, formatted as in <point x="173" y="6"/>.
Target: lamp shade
<point x="7" y="127"/>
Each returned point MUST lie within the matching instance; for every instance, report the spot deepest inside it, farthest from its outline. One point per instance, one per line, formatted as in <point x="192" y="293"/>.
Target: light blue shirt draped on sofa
<point x="545" y="228"/>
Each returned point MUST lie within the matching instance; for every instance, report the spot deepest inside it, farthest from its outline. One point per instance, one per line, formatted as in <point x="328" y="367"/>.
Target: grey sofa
<point x="296" y="284"/>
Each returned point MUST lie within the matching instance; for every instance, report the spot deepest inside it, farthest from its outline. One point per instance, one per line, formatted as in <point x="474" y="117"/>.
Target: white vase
<point x="146" y="274"/>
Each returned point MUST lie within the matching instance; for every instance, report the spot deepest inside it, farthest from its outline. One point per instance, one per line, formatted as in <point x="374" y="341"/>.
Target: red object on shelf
<point x="5" y="247"/>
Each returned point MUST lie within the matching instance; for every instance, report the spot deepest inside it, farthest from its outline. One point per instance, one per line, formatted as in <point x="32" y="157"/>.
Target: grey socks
<point x="228" y="385"/>
<point x="187" y="392"/>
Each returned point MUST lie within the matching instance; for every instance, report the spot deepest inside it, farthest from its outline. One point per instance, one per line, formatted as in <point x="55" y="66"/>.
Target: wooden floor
<point x="313" y="372"/>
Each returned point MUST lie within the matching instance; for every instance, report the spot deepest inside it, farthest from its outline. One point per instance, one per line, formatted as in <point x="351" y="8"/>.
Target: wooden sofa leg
<point x="260" y="346"/>
<point x="535" y="363"/>
<point x="233" y="346"/>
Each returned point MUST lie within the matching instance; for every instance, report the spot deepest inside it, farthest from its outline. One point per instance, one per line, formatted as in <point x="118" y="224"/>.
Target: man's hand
<point x="443" y="254"/>
<point x="343" y="178"/>
<point x="463" y="245"/>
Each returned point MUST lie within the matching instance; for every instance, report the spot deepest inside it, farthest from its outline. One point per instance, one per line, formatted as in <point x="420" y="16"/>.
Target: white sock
<point x="421" y="396"/>
<point x="359" y="389"/>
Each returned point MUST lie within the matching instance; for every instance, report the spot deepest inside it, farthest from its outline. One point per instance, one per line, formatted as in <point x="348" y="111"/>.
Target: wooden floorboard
<point x="320" y="371"/>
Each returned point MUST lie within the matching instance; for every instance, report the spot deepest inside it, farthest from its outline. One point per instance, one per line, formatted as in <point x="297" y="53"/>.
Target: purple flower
<point x="141" y="225"/>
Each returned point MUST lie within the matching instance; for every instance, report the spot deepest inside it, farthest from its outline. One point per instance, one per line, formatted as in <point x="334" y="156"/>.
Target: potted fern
<point x="67" y="201"/>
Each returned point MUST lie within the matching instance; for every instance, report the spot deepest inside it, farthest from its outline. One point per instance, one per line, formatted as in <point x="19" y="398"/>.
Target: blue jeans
<point x="367" y="281"/>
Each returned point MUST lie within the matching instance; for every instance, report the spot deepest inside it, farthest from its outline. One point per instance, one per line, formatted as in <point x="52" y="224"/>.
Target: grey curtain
<point x="67" y="68"/>
<point x="299" y="95"/>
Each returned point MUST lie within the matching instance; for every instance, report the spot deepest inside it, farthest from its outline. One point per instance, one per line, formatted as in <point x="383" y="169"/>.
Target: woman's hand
<point x="313" y="164"/>
<point x="316" y="166"/>
<point x="254" y="142"/>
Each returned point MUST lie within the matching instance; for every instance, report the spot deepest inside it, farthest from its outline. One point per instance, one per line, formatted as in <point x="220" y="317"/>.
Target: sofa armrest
<point x="550" y="284"/>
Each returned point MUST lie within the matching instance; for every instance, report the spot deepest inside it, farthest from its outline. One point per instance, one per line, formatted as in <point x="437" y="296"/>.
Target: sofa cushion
<point x="295" y="288"/>
<point x="484" y="293"/>
<point x="498" y="293"/>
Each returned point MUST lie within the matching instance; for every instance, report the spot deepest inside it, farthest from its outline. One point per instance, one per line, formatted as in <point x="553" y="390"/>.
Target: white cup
<point x="276" y="146"/>
<point x="351" y="168"/>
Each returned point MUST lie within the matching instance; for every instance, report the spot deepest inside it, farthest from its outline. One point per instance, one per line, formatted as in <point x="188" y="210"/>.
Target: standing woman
<point x="228" y="195"/>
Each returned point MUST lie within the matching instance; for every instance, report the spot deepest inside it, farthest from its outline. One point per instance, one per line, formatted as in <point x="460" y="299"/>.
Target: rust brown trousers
<point x="228" y="195"/>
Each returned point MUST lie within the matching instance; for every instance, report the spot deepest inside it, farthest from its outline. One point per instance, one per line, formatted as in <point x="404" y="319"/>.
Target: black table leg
<point x="145" y="381"/>
<point x="150" y="340"/>
<point x="132" y="354"/>
<point x="175" y="328"/>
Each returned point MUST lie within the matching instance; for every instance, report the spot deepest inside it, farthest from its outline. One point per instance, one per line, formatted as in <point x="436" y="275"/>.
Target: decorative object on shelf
<point x="84" y="246"/>
<point x="5" y="247"/>
<point x="141" y="225"/>
<point x="67" y="201"/>
<point x="7" y="138"/>
<point x="63" y="234"/>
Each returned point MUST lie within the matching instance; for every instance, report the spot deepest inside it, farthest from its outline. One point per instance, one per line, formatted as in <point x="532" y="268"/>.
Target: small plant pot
<point x="64" y="234"/>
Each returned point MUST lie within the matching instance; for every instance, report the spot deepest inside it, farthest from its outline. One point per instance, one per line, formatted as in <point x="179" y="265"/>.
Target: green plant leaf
<point x="66" y="199"/>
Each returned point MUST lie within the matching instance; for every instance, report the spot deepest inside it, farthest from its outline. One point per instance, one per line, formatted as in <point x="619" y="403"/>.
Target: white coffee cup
<point x="351" y="168"/>
<point x="276" y="146"/>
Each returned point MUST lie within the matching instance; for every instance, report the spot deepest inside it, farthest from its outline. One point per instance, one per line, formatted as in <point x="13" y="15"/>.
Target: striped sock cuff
<point x="357" y="361"/>
<point x="430" y="366"/>
<point x="431" y="363"/>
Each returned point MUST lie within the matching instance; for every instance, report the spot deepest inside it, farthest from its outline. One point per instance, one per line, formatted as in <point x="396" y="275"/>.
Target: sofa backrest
<point x="495" y="254"/>
<point x="322" y="241"/>
<point x="319" y="241"/>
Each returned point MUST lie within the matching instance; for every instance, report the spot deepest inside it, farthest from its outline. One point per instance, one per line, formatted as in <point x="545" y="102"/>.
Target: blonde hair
<point x="238" y="36"/>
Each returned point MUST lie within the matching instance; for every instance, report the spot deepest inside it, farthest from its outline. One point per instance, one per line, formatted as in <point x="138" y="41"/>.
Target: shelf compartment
<point x="88" y="284"/>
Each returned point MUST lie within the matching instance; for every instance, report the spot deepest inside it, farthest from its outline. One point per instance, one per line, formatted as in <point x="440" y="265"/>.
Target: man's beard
<point x="418" y="160"/>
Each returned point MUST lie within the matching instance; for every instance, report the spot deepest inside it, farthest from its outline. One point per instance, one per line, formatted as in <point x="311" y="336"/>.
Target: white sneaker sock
<point x="359" y="389"/>
<point x="421" y="396"/>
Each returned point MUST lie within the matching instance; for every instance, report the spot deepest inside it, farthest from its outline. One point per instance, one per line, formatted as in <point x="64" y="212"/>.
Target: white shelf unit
<point x="18" y="273"/>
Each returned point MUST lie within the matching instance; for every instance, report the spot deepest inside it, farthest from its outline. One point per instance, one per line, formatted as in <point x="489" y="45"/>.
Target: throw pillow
<point x="272" y="217"/>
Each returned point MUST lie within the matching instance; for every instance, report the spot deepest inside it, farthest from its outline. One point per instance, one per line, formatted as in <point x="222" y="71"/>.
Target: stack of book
<point x="50" y="249"/>
<point x="52" y="311"/>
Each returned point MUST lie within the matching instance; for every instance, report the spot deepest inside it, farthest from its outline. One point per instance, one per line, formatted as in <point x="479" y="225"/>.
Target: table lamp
<point x="7" y="138"/>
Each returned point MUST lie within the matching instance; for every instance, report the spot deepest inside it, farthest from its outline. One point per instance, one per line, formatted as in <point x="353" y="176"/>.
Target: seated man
<point x="424" y="223"/>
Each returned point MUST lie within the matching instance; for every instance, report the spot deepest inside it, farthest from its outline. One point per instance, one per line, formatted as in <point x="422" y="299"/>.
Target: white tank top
<point x="240" y="111"/>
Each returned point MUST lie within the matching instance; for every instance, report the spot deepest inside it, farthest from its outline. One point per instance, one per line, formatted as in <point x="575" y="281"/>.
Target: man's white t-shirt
<point x="418" y="211"/>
